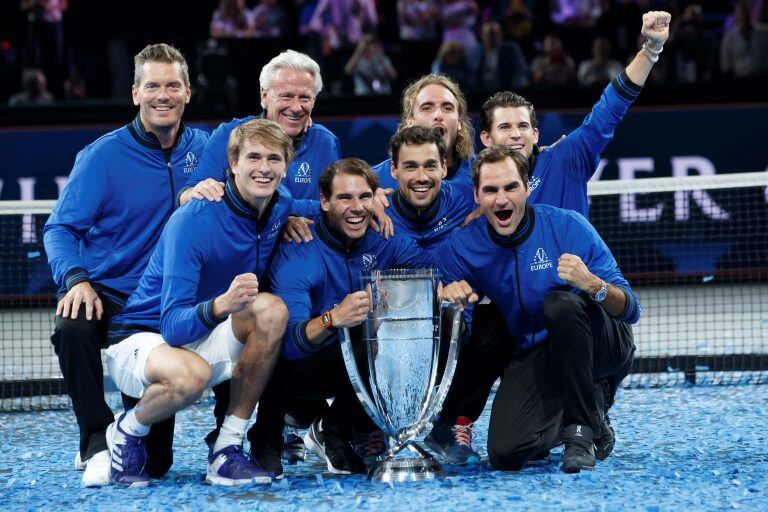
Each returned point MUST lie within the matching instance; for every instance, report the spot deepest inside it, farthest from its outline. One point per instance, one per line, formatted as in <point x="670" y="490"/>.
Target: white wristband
<point x="654" y="53"/>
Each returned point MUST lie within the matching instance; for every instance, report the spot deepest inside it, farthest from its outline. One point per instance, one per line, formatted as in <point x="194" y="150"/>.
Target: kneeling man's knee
<point x="560" y="305"/>
<point x="269" y="311"/>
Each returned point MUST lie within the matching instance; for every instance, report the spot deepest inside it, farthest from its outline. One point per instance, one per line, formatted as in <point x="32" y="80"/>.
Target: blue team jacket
<point x="318" y="148"/>
<point x="204" y="246"/>
<point x="433" y="224"/>
<point x="519" y="271"/>
<point x="121" y="192"/>
<point x="314" y="277"/>
<point x="560" y="173"/>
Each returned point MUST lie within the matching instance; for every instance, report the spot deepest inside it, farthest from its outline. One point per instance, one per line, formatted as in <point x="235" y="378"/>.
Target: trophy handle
<point x="436" y="402"/>
<point x="357" y="382"/>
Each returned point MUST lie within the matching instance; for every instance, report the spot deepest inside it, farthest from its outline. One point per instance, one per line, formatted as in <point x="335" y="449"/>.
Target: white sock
<point x="131" y="425"/>
<point x="232" y="432"/>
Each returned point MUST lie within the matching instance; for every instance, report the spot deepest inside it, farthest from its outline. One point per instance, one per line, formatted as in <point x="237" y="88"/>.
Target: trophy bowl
<point x="404" y="345"/>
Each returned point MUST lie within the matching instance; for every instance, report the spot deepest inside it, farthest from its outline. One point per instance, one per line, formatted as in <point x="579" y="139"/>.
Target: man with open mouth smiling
<point x="199" y="317"/>
<point x="100" y="236"/>
<point x="289" y="85"/>
<point x="320" y="284"/>
<point x="424" y="206"/>
<point x="558" y="177"/>
<point x="564" y="302"/>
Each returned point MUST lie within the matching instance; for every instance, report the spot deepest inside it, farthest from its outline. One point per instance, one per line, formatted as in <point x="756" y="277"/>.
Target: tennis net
<point x="695" y="250"/>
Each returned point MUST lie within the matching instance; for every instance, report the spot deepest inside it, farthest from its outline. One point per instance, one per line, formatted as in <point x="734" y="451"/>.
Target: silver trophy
<point x="402" y="338"/>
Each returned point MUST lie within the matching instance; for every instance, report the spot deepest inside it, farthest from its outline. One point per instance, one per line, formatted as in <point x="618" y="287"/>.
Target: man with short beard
<point x="424" y="206"/>
<point x="319" y="281"/>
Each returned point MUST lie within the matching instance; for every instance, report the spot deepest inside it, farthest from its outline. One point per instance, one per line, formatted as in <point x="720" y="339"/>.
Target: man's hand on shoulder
<point x="81" y="293"/>
<point x="242" y="291"/>
<point x="209" y="189"/>
<point x="296" y="229"/>
<point x="472" y="216"/>
<point x="381" y="222"/>
<point x="381" y="198"/>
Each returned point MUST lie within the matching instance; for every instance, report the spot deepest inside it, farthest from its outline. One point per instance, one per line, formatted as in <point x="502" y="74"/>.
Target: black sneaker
<point x="293" y="449"/>
<point x="604" y="444"/>
<point x="266" y="454"/>
<point x="338" y="454"/>
<point x="453" y="442"/>
<point x="369" y="446"/>
<point x="579" y="450"/>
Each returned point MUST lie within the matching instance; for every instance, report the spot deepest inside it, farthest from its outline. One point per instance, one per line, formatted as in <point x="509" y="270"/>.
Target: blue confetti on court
<point x="679" y="448"/>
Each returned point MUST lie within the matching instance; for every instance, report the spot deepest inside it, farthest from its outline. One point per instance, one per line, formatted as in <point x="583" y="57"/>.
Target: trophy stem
<point x="389" y="469"/>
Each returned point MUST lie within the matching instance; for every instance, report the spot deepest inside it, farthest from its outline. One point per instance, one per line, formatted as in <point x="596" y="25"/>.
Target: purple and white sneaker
<point x="129" y="456"/>
<point x="229" y="466"/>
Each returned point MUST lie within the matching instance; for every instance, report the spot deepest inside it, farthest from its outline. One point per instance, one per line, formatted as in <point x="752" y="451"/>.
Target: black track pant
<point x="78" y="345"/>
<point x="321" y="375"/>
<point x="531" y="403"/>
<point x="553" y="385"/>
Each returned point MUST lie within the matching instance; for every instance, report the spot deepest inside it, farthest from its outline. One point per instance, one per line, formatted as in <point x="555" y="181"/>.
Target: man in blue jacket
<point x="319" y="281"/>
<point x="424" y="206"/>
<point x="566" y="307"/>
<point x="436" y="101"/>
<point x="101" y="233"/>
<point x="559" y="173"/>
<point x="199" y="316"/>
<point x="289" y="85"/>
<point x="559" y="176"/>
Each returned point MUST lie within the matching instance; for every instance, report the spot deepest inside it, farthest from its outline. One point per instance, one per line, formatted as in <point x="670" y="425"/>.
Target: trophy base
<point x="404" y="470"/>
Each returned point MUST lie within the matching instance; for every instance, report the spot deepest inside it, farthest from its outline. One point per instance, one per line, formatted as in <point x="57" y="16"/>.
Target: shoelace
<point x="463" y="434"/>
<point x="135" y="452"/>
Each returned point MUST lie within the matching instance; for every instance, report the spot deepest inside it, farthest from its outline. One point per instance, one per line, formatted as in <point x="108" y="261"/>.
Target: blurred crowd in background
<point x="70" y="50"/>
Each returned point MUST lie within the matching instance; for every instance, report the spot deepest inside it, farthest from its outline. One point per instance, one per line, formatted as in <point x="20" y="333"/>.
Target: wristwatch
<point x="601" y="294"/>
<point x="327" y="320"/>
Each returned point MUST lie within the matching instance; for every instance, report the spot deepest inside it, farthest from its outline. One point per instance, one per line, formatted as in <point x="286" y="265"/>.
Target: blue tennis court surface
<point x="701" y="448"/>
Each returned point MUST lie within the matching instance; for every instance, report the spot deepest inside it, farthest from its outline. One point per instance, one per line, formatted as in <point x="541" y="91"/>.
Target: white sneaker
<point x="79" y="464"/>
<point x="97" y="470"/>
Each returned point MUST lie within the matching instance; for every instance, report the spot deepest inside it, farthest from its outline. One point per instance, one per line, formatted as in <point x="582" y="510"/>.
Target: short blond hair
<point x="464" y="145"/>
<point x="160" y="52"/>
<point x="263" y="130"/>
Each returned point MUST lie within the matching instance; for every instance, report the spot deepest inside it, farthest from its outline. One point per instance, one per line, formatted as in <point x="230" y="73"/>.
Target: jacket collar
<point x="412" y="214"/>
<point x="521" y="234"/>
<point x="331" y="237"/>
<point x="241" y="207"/>
<point x="149" y="139"/>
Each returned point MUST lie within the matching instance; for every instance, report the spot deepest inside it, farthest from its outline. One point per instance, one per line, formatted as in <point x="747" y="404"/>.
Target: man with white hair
<point x="289" y="86"/>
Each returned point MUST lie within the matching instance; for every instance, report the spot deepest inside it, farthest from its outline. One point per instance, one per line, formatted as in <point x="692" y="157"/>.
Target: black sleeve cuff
<point x="75" y="276"/>
<point x="625" y="87"/>
<point x="205" y="314"/>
